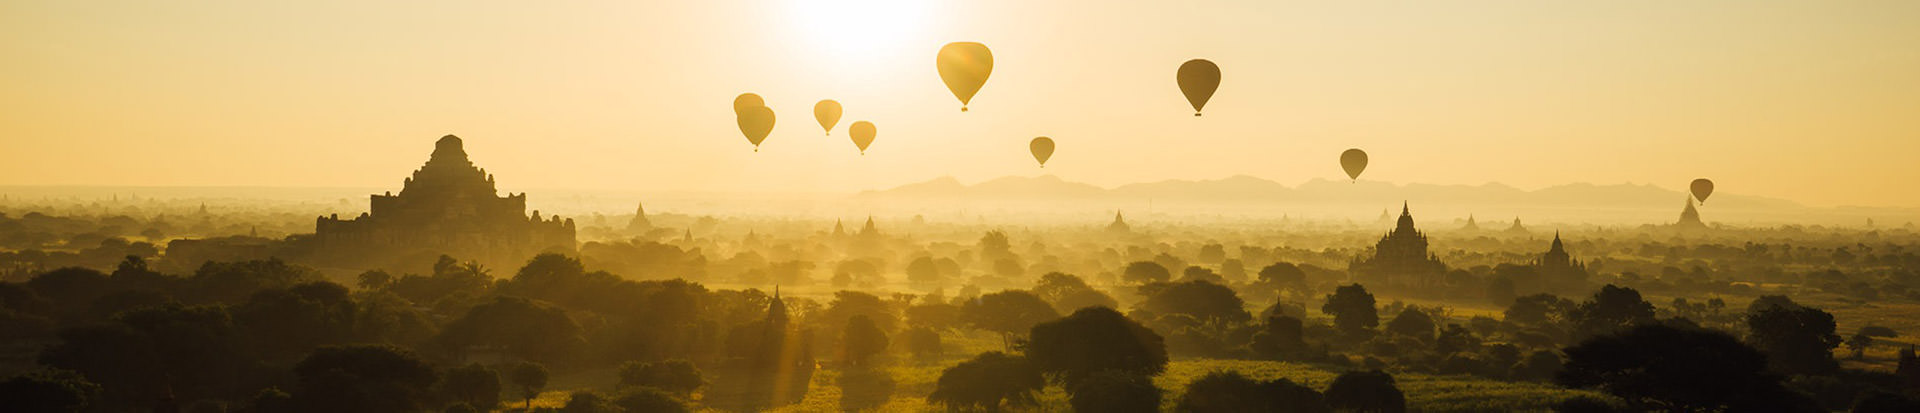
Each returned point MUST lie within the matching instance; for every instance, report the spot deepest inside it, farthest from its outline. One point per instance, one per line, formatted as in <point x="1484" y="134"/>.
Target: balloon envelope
<point x="964" y="66"/>
<point x="1354" y="161"/>
<point x="1198" y="79"/>
<point x="756" y="123"/>
<point x="828" y="113"/>
<point x="747" y="101"/>
<point x="1702" y="188"/>
<point x="862" y="132"/>
<point x="1042" y="148"/>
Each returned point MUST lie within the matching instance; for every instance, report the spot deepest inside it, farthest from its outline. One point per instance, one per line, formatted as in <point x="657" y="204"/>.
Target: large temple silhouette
<point x="1400" y="258"/>
<point x="449" y="206"/>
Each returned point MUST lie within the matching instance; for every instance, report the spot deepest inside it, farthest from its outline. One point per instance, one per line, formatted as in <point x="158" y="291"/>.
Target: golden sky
<point x="1814" y="101"/>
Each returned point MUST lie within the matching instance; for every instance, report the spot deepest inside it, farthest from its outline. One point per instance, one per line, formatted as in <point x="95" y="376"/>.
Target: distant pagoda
<point x="1119" y="224"/>
<point x="640" y="224"/>
<point x="1517" y="228"/>
<point x="1689" y="217"/>
<point x="1400" y="258"/>
<point x="1561" y="272"/>
<point x="449" y="206"/>
<point x="1471" y="226"/>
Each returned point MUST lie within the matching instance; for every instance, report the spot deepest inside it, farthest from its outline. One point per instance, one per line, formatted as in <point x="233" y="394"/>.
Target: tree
<point x="1231" y="392"/>
<point x="677" y="376"/>
<point x="285" y="323"/>
<point x="1352" y="308"/>
<point x="1115" y="391"/>
<point x="1859" y="343"/>
<point x="1538" y="366"/>
<point x="1537" y="309"/>
<point x="1142" y="272"/>
<point x="987" y="381"/>
<point x="530" y="379"/>
<point x="1658" y="367"/>
<point x="1201" y="300"/>
<point x="474" y="384"/>
<point x="865" y="388"/>
<point x="923" y="271"/>
<point x="1795" y="340"/>
<point x="1068" y="292"/>
<point x="1283" y="275"/>
<point x="586" y="401"/>
<point x="1007" y="312"/>
<point x="862" y="340"/>
<point x="1611" y="309"/>
<point x="362" y="378"/>
<point x="1095" y="339"/>
<point x="48" y="391"/>
<point x="1366" y="391"/>
<point x="923" y="343"/>
<point x="1412" y="323"/>
<point x="647" y="399"/>
<point x="524" y="328"/>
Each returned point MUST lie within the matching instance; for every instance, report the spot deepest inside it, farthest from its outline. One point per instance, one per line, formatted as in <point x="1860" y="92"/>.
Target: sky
<point x="1816" y="102"/>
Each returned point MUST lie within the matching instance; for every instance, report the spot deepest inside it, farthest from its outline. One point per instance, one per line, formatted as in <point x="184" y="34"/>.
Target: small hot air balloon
<point x="1702" y="188"/>
<point x="746" y="101"/>
<point x="964" y="66"/>
<point x="1354" y="161"/>
<point x="828" y="113"/>
<point x="1042" y="148"/>
<point x="1198" y="79"/>
<point x="756" y="122"/>
<point x="862" y="132"/>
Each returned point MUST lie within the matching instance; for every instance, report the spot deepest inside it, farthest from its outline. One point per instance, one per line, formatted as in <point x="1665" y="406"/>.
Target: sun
<point x="859" y="29"/>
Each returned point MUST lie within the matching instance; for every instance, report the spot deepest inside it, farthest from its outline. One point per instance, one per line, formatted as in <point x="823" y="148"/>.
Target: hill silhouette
<point x="1248" y="189"/>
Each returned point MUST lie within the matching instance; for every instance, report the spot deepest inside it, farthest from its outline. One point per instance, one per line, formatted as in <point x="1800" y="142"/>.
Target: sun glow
<point x="859" y="29"/>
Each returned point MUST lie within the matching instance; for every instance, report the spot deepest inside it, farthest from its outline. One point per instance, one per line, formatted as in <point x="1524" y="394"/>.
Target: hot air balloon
<point x="756" y="122"/>
<point x="862" y="132"/>
<point x="1198" y="79"/>
<point x="828" y="113"/>
<point x="964" y="66"/>
<point x="1702" y="188"/>
<point x="1042" y="148"/>
<point x="1354" y="161"/>
<point x="746" y="101"/>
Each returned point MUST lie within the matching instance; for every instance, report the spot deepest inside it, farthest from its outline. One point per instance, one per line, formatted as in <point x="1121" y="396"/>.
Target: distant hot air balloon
<point x="1042" y="148"/>
<point x="828" y="113"/>
<point x="756" y="122"/>
<point x="1702" y="188"/>
<point x="964" y="66"/>
<point x="862" y="132"/>
<point x="1354" y="161"/>
<point x="1198" y="79"/>
<point x="746" y="101"/>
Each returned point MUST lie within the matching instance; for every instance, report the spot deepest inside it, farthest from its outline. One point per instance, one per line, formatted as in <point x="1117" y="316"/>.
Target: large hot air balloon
<point x="862" y="132"/>
<point x="746" y="101"/>
<point x="756" y="122"/>
<point x="1198" y="79"/>
<point x="1042" y="148"/>
<point x="1354" y="161"/>
<point x="828" y="113"/>
<point x="964" y="66"/>
<point x="1702" y="188"/>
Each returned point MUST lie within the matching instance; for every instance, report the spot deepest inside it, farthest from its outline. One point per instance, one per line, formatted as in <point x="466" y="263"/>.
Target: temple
<point x="1119" y="224"/>
<point x="1561" y="272"/>
<point x="1690" y="217"/>
<point x="1400" y="258"/>
<point x="449" y="206"/>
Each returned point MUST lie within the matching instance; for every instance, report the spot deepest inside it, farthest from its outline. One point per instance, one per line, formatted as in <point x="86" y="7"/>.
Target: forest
<point x="148" y="311"/>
